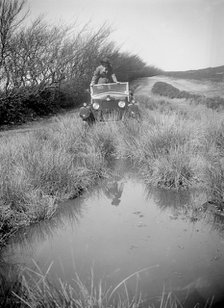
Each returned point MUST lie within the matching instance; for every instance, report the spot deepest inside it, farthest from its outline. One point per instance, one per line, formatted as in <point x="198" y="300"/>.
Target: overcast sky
<point x="170" y="34"/>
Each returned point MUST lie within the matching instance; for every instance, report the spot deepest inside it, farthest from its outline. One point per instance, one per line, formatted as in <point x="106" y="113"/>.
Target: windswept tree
<point x="11" y="16"/>
<point x="45" y="67"/>
<point x="35" y="55"/>
<point x="42" y="54"/>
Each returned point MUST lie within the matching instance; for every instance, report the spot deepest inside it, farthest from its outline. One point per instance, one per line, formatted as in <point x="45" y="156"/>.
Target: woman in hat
<point x="104" y="73"/>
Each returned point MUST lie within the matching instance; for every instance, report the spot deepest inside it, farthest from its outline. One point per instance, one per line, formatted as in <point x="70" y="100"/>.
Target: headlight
<point x="84" y="112"/>
<point x="121" y="104"/>
<point x="96" y="106"/>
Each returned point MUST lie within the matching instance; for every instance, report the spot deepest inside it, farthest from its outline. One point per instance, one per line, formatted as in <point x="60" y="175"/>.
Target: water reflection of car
<point x="113" y="190"/>
<point x="111" y="100"/>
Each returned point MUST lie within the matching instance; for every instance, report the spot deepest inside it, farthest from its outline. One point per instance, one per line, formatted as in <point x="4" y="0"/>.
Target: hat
<point x="105" y="60"/>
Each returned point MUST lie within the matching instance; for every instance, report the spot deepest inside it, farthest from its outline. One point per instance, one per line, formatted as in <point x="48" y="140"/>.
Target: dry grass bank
<point x="40" y="169"/>
<point x="177" y="145"/>
<point x="180" y="145"/>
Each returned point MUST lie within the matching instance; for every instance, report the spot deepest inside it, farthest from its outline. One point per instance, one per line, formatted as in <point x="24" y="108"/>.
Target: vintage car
<point x="109" y="101"/>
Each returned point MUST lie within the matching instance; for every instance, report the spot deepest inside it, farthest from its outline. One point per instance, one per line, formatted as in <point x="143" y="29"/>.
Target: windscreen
<point x="110" y="87"/>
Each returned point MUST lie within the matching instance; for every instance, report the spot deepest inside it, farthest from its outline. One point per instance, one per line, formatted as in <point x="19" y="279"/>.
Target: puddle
<point x="122" y="227"/>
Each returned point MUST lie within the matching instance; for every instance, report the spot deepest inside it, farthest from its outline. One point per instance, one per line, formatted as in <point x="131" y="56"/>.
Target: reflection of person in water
<point x="114" y="191"/>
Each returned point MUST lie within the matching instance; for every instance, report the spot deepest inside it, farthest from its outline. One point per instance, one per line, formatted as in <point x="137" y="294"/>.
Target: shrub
<point x="166" y="89"/>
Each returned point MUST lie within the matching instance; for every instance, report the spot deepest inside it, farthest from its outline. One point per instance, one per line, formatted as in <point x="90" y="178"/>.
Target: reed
<point x="36" y="290"/>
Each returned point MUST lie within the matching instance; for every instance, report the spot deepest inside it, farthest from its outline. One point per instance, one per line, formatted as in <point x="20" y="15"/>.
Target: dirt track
<point x="143" y="87"/>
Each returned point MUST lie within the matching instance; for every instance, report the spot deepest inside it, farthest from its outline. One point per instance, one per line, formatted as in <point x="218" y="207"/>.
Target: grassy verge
<point x="176" y="146"/>
<point x="40" y="169"/>
<point x="181" y="146"/>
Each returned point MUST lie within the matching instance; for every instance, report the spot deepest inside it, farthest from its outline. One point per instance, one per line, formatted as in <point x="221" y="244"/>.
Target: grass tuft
<point x="176" y="145"/>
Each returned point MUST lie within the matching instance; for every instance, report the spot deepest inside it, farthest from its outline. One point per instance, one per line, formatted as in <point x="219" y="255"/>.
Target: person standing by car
<point x="104" y="73"/>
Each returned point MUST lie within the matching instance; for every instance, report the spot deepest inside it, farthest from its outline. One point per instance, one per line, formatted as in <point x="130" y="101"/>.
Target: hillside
<point x="206" y="87"/>
<point x="211" y="73"/>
